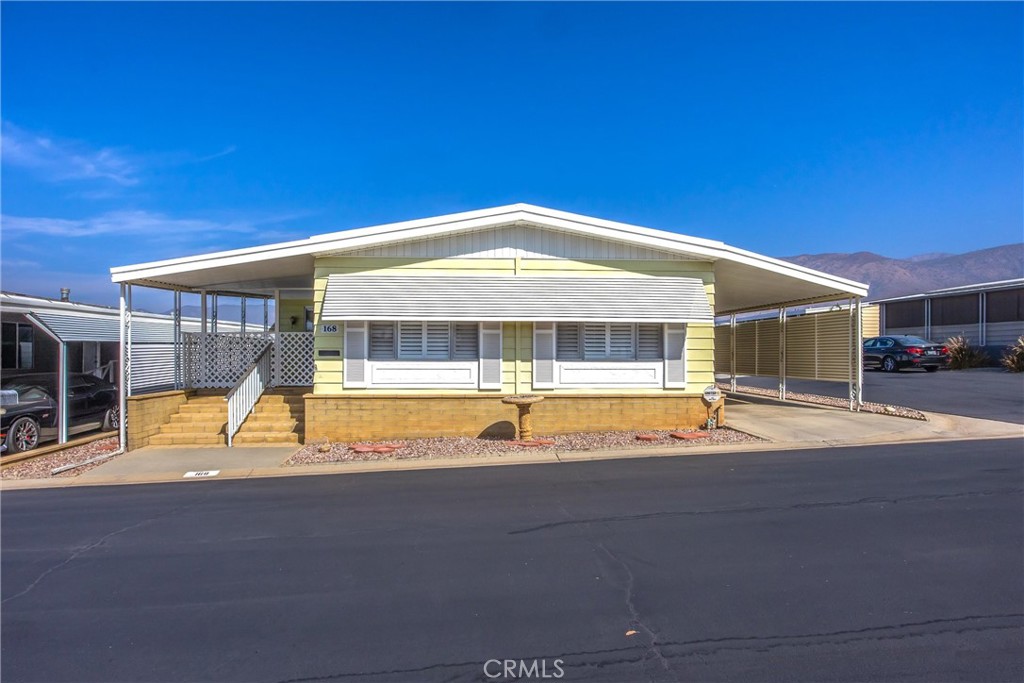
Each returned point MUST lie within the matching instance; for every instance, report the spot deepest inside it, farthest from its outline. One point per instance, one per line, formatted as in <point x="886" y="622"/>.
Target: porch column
<point x="277" y="337"/>
<point x="202" y="374"/>
<point x="213" y="314"/>
<point x="782" y="353"/>
<point x="732" y="353"/>
<point x="266" y="316"/>
<point x="243" y="316"/>
<point x="178" y="379"/>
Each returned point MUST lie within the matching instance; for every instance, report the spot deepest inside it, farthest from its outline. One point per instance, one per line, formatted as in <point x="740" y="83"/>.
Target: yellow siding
<point x="517" y="337"/>
<point x="293" y="308"/>
<point x="870" y="321"/>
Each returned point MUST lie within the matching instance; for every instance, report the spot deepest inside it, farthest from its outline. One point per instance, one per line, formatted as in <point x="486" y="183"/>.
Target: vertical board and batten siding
<point x="517" y="338"/>
<point x="515" y="240"/>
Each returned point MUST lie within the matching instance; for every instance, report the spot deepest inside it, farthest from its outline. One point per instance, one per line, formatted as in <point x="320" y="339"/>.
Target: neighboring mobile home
<point x="987" y="314"/>
<point x="420" y="327"/>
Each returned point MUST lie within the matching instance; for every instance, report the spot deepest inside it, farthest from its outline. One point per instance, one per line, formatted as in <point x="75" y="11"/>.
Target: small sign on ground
<point x="200" y="474"/>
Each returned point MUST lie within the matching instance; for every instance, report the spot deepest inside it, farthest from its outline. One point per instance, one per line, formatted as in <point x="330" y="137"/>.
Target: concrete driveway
<point x="986" y="393"/>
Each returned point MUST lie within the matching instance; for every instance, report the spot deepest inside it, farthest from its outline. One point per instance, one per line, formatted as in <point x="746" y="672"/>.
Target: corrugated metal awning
<point x="523" y="298"/>
<point x="104" y="328"/>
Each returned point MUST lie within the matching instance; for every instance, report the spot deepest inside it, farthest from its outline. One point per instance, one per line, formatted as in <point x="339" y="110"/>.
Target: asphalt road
<point x="844" y="564"/>
<point x="987" y="393"/>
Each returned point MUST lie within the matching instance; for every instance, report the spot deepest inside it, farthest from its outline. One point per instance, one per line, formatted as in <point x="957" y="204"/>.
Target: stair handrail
<point x="247" y="391"/>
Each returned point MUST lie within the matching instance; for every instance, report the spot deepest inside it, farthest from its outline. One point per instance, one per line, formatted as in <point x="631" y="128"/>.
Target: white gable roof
<point x="744" y="279"/>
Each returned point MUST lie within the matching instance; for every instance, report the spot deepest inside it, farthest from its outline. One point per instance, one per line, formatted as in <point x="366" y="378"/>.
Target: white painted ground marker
<point x="201" y="473"/>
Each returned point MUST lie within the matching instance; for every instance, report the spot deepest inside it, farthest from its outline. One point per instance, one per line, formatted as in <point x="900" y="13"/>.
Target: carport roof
<point x="744" y="280"/>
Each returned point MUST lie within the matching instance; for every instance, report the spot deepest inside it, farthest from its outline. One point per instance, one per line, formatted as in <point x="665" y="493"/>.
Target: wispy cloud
<point x="126" y="223"/>
<point x="56" y="160"/>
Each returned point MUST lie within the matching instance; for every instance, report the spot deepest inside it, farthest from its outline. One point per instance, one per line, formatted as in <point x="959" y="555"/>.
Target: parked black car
<point x="895" y="352"/>
<point x="28" y="410"/>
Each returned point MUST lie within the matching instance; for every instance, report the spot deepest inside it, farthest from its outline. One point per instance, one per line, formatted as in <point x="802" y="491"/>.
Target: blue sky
<point x="139" y="132"/>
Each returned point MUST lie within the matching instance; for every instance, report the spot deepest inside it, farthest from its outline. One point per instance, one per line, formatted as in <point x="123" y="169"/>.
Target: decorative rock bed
<point x="467" y="447"/>
<point x="880" y="408"/>
<point x="43" y="466"/>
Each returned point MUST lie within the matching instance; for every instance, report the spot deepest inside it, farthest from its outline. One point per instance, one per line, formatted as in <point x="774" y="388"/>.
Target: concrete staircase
<point x="277" y="419"/>
<point x="200" y="421"/>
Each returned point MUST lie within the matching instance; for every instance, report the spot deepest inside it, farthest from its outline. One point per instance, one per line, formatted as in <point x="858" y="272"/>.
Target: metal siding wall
<point x="152" y="367"/>
<point x="870" y="320"/>
<point x="969" y="331"/>
<point x="746" y="349"/>
<point x="801" y="340"/>
<point x="817" y="347"/>
<point x="723" y="349"/>
<point x="833" y="343"/>
<point x="909" y="331"/>
<point x="768" y="347"/>
<point x="1003" y="334"/>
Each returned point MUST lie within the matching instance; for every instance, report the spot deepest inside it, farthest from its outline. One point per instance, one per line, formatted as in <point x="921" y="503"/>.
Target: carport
<point x="794" y="343"/>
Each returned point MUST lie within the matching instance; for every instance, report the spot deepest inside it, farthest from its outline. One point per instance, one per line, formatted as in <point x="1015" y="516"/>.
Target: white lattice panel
<point x="295" y="367"/>
<point x="218" y="360"/>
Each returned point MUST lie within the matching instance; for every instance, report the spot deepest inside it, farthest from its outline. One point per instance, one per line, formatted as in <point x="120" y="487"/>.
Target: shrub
<point x="1013" y="356"/>
<point x="962" y="355"/>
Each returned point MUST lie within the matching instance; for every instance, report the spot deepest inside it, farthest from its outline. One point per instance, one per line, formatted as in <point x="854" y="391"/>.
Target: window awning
<point x="511" y="298"/>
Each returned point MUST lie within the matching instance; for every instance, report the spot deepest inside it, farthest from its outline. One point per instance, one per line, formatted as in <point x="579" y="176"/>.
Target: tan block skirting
<point x="364" y="418"/>
<point x="148" y="412"/>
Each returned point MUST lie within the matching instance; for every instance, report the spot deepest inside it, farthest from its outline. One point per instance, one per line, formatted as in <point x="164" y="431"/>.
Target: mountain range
<point x="890" y="277"/>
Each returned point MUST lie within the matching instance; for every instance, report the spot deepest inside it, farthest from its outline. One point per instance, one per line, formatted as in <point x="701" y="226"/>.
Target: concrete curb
<point x="549" y="457"/>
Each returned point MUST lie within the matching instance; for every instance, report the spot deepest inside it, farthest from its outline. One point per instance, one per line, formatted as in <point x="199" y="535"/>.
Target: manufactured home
<point x="419" y="328"/>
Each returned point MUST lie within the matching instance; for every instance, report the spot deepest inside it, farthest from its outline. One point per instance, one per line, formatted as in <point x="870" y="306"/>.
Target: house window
<point x="424" y="341"/>
<point x="608" y="342"/>
<point x="17" y="344"/>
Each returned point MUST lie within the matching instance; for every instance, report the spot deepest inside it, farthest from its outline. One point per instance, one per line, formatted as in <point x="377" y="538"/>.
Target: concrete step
<point x="187" y="439"/>
<point x="256" y="425"/>
<point x="203" y="410"/>
<point x="249" y="438"/>
<point x="193" y="427"/>
<point x="199" y="417"/>
<point x="277" y="412"/>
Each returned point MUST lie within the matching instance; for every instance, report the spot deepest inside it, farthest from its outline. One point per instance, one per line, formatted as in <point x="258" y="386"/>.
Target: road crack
<point x="873" y="500"/>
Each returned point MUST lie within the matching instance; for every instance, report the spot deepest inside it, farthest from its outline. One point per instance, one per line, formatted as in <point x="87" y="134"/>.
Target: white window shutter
<point x="490" y="355"/>
<point x="675" y="355"/>
<point x="355" y="367"/>
<point x="543" y="355"/>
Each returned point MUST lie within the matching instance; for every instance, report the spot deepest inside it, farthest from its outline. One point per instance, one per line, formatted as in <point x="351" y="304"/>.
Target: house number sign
<point x="329" y="329"/>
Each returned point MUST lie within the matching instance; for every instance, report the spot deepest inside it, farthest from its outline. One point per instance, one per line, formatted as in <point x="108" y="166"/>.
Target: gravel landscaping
<point x="467" y="447"/>
<point x="880" y="408"/>
<point x="40" y="468"/>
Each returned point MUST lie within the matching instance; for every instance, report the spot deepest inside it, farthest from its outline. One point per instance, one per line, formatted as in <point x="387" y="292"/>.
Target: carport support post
<point x="850" y="355"/>
<point x="266" y="316"/>
<point x="124" y="371"/>
<point x="213" y="314"/>
<point x="62" y="392"/>
<point x="243" y="316"/>
<point x="859" y="355"/>
<point x="732" y="353"/>
<point x="782" y="353"/>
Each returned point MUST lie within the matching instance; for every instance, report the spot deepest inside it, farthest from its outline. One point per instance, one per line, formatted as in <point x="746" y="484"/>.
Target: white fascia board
<point x="521" y="319"/>
<point x="525" y="214"/>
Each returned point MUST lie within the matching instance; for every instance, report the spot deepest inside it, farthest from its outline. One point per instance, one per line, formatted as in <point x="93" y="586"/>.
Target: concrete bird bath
<point x="524" y="402"/>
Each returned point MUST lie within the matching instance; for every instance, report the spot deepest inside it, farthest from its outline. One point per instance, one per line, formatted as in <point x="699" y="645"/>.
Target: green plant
<point x="962" y="355"/>
<point x="1013" y="356"/>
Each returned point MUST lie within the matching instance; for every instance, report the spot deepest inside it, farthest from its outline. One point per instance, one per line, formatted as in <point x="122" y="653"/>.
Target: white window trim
<point x="593" y="373"/>
<point x="451" y="374"/>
